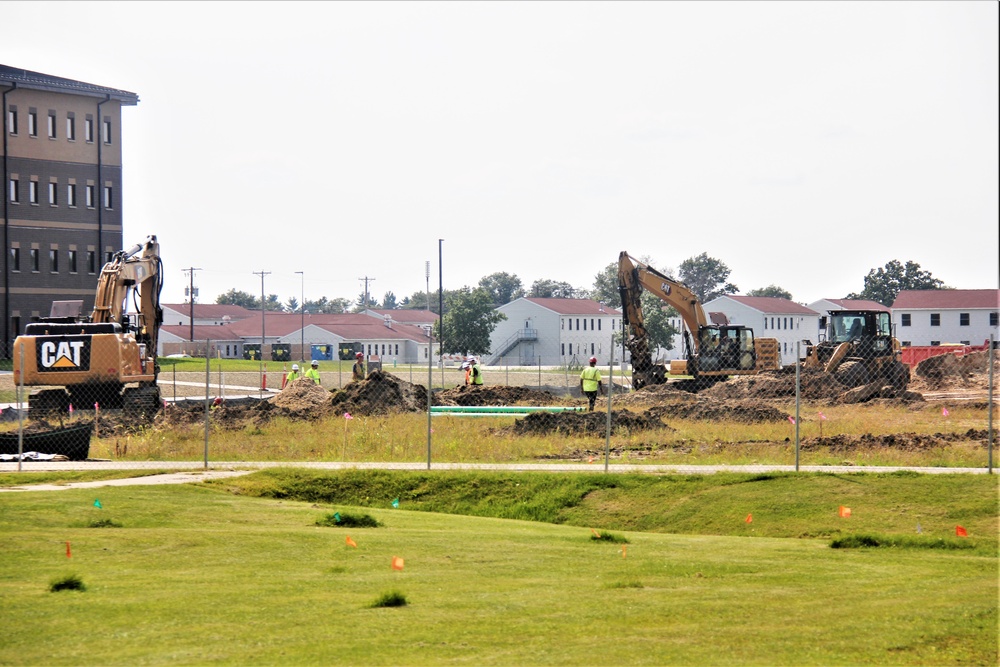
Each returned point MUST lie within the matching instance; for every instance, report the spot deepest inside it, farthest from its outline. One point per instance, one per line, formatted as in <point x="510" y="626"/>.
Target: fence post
<point x="798" y="398"/>
<point x="539" y="372"/>
<point x="989" y="406"/>
<point x="607" y="429"/>
<point x="208" y="377"/>
<point x="20" y="414"/>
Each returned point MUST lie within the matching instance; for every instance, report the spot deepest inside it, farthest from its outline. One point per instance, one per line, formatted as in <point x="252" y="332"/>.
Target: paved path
<point x="193" y="472"/>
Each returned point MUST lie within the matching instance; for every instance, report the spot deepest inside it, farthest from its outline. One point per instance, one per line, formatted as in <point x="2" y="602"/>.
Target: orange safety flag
<point x="596" y="534"/>
<point x="845" y="511"/>
<point x="590" y="460"/>
<point x="624" y="549"/>
<point x="351" y="543"/>
<point x="749" y="518"/>
<point x="68" y="553"/>
<point x="959" y="531"/>
<point x="397" y="563"/>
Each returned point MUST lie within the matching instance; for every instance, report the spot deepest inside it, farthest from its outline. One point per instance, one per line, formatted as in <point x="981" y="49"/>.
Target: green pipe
<point x="503" y="408"/>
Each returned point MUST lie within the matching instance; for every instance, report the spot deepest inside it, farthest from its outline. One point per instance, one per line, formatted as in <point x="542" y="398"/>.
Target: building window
<point x="107" y="257"/>
<point x="563" y="348"/>
<point x="963" y="319"/>
<point x="33" y="192"/>
<point x="12" y="121"/>
<point x="935" y="319"/>
<point x="52" y="125"/>
<point x="578" y="324"/>
<point x="591" y="323"/>
<point x="32" y="124"/>
<point x="53" y="194"/>
<point x="72" y="261"/>
<point x="935" y="343"/>
<point x="91" y="262"/>
<point x="904" y="319"/>
<point x="71" y="127"/>
<point x="592" y="348"/>
<point x="107" y="131"/>
<point x="765" y="323"/>
<point x="90" y="196"/>
<point x="598" y="325"/>
<point x="108" y="198"/>
<point x="571" y="324"/>
<point x="71" y="194"/>
<point x="34" y="259"/>
<point x="15" y="191"/>
<point x="562" y="323"/>
<point x="88" y="130"/>
<point x="15" y="259"/>
<point x="585" y="324"/>
<point x="964" y="342"/>
<point x="905" y="343"/>
<point x="994" y="319"/>
<point x="54" y="260"/>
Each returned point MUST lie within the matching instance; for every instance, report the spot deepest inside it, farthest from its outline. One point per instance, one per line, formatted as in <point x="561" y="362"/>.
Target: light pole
<point x="302" y="310"/>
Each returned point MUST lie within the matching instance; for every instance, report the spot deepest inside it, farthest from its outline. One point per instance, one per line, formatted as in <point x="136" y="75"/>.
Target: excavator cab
<point x="725" y="349"/>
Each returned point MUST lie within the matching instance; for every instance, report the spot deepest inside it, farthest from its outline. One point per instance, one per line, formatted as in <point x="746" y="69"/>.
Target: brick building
<point x="62" y="204"/>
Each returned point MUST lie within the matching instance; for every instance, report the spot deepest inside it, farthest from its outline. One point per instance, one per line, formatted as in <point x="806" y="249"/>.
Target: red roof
<point x="948" y="298"/>
<point x="201" y="331"/>
<point x="408" y="315"/>
<point x="212" y="311"/>
<point x="858" y="304"/>
<point x="771" y="305"/>
<point x="355" y="326"/>
<point x="573" y="306"/>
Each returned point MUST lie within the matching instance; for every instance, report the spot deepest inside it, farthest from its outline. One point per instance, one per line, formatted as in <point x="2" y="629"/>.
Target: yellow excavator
<point x="712" y="352"/>
<point x="859" y="349"/>
<point x="108" y="359"/>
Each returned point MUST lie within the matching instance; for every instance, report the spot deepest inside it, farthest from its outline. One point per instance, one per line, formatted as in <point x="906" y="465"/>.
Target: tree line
<point x="470" y="314"/>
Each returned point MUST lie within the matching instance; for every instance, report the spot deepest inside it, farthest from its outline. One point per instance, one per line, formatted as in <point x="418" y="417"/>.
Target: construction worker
<point x="475" y="374"/>
<point x="359" y="367"/>
<point x="313" y="372"/>
<point x="590" y="383"/>
<point x="292" y="377"/>
<point x="467" y="367"/>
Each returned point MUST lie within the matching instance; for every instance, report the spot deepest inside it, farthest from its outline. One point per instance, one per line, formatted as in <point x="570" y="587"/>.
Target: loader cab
<point x="725" y="349"/>
<point x="869" y="331"/>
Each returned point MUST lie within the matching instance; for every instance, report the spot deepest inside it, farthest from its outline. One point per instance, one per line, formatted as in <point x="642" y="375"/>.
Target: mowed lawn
<point x="198" y="575"/>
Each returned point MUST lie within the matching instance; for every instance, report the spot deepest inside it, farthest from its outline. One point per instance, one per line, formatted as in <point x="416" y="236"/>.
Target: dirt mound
<point x="902" y="441"/>
<point x="970" y="371"/>
<point x="653" y="394"/>
<point x="380" y="394"/>
<point x="814" y="384"/>
<point x="302" y="397"/>
<point x="744" y="412"/>
<point x="581" y="423"/>
<point x="494" y="395"/>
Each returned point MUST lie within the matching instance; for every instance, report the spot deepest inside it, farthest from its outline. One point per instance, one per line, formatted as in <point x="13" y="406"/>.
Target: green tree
<point x="272" y="304"/>
<point x="706" y="277"/>
<point x="884" y="284"/>
<point x="292" y="306"/>
<point x="657" y="319"/>
<point x="468" y="321"/>
<point x="502" y="287"/>
<point x="360" y="306"/>
<point x="235" y="297"/>
<point x="771" y="290"/>
<point x="606" y="286"/>
<point x="389" y="301"/>
<point x="543" y="288"/>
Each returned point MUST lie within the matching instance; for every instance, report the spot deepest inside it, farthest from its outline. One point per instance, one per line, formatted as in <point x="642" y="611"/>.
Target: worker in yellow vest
<point x="476" y="375"/>
<point x="313" y="372"/>
<point x="591" y="383"/>
<point x="292" y="377"/>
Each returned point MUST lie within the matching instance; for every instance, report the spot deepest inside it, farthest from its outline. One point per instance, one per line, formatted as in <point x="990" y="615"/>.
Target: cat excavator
<point x="108" y="359"/>
<point x="712" y="352"/>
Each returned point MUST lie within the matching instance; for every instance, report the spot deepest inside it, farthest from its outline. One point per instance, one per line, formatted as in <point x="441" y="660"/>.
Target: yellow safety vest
<point x="591" y="377"/>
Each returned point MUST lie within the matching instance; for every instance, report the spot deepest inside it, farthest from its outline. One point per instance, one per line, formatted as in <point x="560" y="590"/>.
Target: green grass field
<point x="238" y="571"/>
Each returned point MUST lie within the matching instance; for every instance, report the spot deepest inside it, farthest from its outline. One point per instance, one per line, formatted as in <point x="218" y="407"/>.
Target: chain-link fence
<point x="520" y="407"/>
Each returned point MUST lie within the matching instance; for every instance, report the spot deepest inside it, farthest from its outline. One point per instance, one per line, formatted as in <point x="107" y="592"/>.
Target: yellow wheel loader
<point x="858" y="349"/>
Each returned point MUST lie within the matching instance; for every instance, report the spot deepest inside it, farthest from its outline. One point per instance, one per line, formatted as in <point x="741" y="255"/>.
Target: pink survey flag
<point x="822" y="416"/>
<point x="944" y="411"/>
<point x="791" y="419"/>
<point x="347" y="415"/>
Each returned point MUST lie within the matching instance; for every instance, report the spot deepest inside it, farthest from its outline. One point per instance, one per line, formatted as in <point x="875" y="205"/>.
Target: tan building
<point x="62" y="204"/>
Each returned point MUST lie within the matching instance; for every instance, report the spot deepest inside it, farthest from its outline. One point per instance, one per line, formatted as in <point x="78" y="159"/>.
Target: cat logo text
<point x="63" y="353"/>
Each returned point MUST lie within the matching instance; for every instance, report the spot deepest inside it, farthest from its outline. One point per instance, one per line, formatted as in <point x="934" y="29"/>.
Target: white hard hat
<point x="295" y="367"/>
<point x="315" y="363"/>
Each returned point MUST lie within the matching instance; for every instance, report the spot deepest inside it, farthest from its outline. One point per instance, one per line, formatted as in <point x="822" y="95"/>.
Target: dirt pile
<point x="814" y="384"/>
<point x="495" y="395"/>
<point x="902" y="441"/>
<point x="380" y="394"/>
<point x="744" y="412"/>
<point x="653" y="394"/>
<point x="302" y="397"/>
<point x="581" y="423"/>
<point x="970" y="371"/>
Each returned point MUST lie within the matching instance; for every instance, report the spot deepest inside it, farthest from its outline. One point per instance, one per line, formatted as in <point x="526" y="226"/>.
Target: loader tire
<point x="852" y="374"/>
<point x="899" y="376"/>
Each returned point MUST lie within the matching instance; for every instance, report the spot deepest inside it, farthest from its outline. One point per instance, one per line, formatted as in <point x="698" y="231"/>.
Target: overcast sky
<point x="801" y="143"/>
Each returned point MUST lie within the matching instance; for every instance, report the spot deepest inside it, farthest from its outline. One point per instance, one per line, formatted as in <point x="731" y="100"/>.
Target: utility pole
<point x="190" y="273"/>
<point x="302" y="310"/>
<point x="262" y="312"/>
<point x="366" y="280"/>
